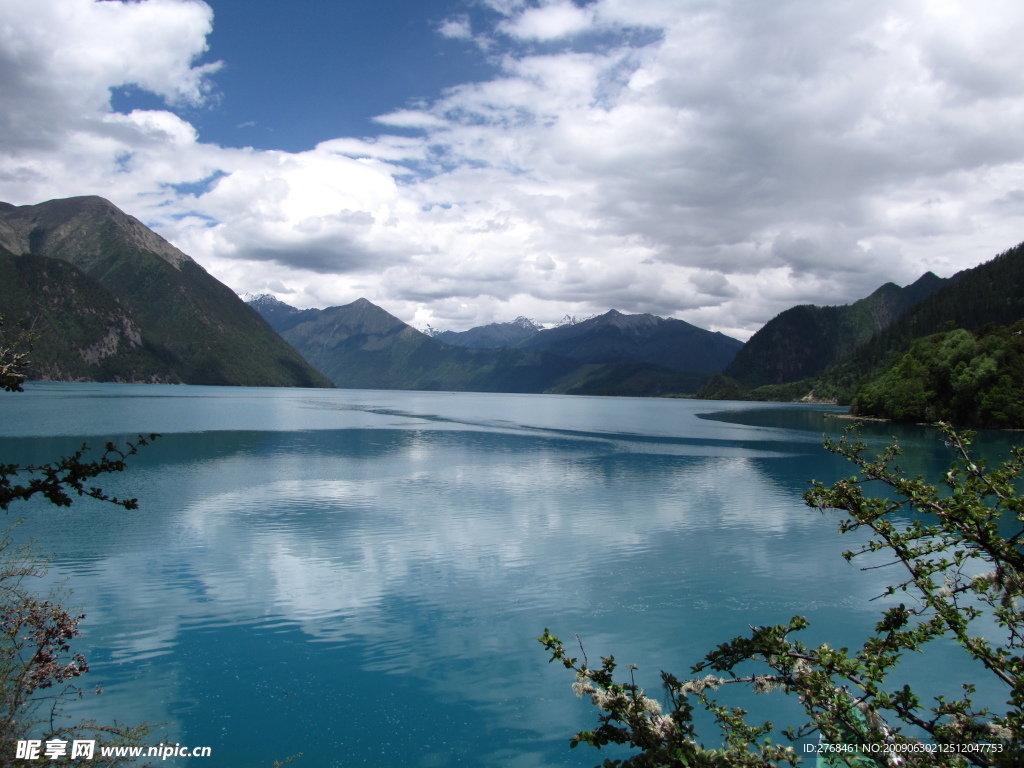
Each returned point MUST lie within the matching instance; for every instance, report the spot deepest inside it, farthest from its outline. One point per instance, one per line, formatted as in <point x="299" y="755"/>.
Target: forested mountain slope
<point x="805" y="340"/>
<point x="113" y="301"/>
<point x="960" y="377"/>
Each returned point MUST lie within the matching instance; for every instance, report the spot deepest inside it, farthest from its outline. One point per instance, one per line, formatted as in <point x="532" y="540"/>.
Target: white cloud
<point x="549" y="22"/>
<point x="505" y="7"/>
<point x="747" y="157"/>
<point x="59" y="59"/>
<point x="410" y="118"/>
<point x="457" y="27"/>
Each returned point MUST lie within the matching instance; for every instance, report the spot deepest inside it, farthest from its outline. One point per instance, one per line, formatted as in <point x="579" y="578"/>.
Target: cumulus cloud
<point x="458" y="27"/>
<point x="732" y="160"/>
<point x="549" y="22"/>
<point x="59" y="59"/>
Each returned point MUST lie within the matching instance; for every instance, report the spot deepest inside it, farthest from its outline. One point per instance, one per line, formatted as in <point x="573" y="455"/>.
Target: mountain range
<point x="361" y="345"/>
<point x="490" y="336"/>
<point x="107" y="299"/>
<point x="110" y="300"/>
<point x="614" y="337"/>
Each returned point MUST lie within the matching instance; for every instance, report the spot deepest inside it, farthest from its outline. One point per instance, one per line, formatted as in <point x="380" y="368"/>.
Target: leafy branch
<point x="961" y="575"/>
<point x="57" y="480"/>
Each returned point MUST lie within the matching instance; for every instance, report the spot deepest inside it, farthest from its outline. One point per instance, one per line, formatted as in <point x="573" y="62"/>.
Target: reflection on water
<point x="361" y="576"/>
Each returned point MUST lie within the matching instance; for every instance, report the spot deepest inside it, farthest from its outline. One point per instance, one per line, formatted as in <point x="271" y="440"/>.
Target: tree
<point x="37" y="666"/>
<point x="962" y="577"/>
<point x="956" y="376"/>
<point x="13" y="359"/>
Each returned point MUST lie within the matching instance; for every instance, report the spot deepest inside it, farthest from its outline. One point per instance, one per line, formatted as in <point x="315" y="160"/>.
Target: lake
<point x="361" y="576"/>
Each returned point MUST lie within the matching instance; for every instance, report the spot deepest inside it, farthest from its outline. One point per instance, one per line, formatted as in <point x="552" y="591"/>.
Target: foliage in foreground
<point x="14" y="362"/>
<point x="963" y="580"/>
<point x="38" y="670"/>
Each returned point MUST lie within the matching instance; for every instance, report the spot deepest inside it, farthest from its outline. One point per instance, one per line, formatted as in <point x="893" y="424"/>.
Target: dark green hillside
<point x="628" y="379"/>
<point x="81" y="330"/>
<point x="192" y="328"/>
<point x="968" y="379"/>
<point x="802" y="342"/>
<point x="992" y="292"/>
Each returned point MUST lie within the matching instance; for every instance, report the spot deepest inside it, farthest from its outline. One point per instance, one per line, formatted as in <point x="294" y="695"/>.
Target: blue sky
<point x="297" y="73"/>
<point x="460" y="162"/>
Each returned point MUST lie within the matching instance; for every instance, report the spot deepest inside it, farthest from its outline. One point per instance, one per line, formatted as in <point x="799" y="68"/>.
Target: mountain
<point x="277" y="314"/>
<point x="362" y="345"/>
<point x="992" y="292"/>
<point x="491" y="336"/>
<point x="805" y="340"/>
<point x="616" y="338"/>
<point x="572" y="320"/>
<point x="110" y="300"/>
<point x="887" y="373"/>
<point x="359" y="345"/>
<point x="977" y="302"/>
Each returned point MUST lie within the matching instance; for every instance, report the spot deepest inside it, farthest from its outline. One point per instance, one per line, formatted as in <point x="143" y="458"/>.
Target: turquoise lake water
<point x="361" y="576"/>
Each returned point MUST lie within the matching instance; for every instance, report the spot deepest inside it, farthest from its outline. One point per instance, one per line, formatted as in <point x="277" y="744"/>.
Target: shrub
<point x="961" y="576"/>
<point x="38" y="669"/>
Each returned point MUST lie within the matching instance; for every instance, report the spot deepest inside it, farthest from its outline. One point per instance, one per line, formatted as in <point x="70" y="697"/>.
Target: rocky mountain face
<point x="110" y="300"/>
<point x="361" y="345"/>
<point x="805" y="340"/>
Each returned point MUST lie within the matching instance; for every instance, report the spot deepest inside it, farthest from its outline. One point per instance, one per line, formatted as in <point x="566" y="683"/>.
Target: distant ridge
<point x="491" y="336"/>
<point x="110" y="300"/>
<point x="361" y="345"/>
<point x="616" y="337"/>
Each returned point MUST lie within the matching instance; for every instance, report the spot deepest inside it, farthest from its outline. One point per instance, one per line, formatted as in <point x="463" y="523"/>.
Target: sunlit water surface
<point x="361" y="576"/>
